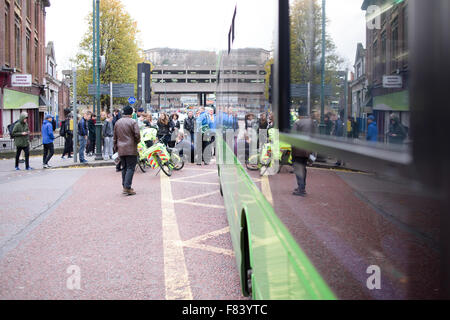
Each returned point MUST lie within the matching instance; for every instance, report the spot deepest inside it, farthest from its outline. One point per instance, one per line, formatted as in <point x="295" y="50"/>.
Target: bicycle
<point x="265" y="159"/>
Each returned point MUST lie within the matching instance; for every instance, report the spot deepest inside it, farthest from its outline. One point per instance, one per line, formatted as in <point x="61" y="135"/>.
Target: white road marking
<point x="175" y="271"/>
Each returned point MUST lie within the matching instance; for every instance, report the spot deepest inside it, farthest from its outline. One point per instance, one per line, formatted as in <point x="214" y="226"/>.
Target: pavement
<point x="72" y="234"/>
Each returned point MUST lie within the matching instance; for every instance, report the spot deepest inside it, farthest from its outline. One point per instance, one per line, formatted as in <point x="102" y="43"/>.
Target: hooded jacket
<point x="47" y="132"/>
<point x="372" y="132"/>
<point x="19" y="139"/>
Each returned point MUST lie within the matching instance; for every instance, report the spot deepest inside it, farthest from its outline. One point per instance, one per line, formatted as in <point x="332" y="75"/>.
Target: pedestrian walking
<point x="372" y="130"/>
<point x="21" y="136"/>
<point x="116" y="116"/>
<point x="47" y="140"/>
<point x="304" y="125"/>
<point x="108" y="135"/>
<point x="174" y="127"/>
<point x="397" y="132"/>
<point x="126" y="138"/>
<point x="83" y="134"/>
<point x="67" y="132"/>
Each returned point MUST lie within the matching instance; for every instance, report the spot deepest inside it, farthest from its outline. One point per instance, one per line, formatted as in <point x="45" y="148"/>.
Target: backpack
<point x="62" y="131"/>
<point x="11" y="127"/>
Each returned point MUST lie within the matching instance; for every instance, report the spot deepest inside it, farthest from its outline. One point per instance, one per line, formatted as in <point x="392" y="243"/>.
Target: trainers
<point x="69" y="157"/>
<point x="83" y="161"/>
<point x="63" y="157"/>
<point x="29" y="169"/>
<point x="46" y="166"/>
<point x="299" y="193"/>
<point x="17" y="169"/>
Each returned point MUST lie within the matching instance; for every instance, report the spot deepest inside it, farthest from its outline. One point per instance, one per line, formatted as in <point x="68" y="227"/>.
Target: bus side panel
<point x="280" y="268"/>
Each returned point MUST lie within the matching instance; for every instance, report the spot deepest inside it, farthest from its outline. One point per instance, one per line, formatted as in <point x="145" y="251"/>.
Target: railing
<point x="7" y="143"/>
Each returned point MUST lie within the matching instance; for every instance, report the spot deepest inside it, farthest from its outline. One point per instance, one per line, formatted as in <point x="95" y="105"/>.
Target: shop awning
<point x="14" y="100"/>
<point x="398" y="101"/>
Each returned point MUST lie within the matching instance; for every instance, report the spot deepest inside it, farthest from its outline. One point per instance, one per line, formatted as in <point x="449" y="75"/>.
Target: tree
<point x="306" y="45"/>
<point x="119" y="44"/>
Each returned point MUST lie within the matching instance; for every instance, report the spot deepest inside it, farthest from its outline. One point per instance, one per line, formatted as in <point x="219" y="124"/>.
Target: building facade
<point x="22" y="51"/>
<point x="182" y="78"/>
<point x="358" y="86"/>
<point x="52" y="84"/>
<point x="387" y="67"/>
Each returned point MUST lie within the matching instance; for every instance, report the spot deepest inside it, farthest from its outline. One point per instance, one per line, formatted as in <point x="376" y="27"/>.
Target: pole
<point x="111" y="97"/>
<point x="143" y="91"/>
<point x="94" y="52"/>
<point x="309" y="98"/>
<point x="98" y="126"/>
<point x="75" y="116"/>
<point x="346" y="103"/>
<point x="322" y="89"/>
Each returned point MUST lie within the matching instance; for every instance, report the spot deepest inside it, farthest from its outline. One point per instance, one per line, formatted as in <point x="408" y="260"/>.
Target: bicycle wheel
<point x="253" y="163"/>
<point x="142" y="165"/>
<point x="165" y="167"/>
<point x="177" y="162"/>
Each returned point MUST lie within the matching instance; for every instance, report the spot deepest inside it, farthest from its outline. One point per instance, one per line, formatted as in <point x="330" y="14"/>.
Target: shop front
<point x="16" y="102"/>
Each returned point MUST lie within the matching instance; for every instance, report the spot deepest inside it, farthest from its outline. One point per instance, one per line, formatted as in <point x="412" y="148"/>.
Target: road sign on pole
<point x="131" y="100"/>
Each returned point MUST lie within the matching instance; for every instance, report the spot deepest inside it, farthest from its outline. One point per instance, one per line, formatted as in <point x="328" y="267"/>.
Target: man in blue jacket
<point x="372" y="130"/>
<point x="47" y="140"/>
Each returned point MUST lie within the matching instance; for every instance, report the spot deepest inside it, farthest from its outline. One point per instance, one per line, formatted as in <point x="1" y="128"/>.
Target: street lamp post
<point x="98" y="125"/>
<point x="322" y="89"/>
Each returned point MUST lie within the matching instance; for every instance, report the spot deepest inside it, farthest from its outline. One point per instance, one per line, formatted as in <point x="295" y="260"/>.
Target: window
<point x="7" y="36"/>
<point x="17" y="39"/>
<point x="383" y="50"/>
<point x="28" y="52"/>
<point x="28" y="9"/>
<point x="36" y="59"/>
<point x="394" y="44"/>
<point x="36" y="15"/>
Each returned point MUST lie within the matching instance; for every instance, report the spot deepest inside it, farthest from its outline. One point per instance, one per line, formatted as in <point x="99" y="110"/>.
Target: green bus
<point x="336" y="182"/>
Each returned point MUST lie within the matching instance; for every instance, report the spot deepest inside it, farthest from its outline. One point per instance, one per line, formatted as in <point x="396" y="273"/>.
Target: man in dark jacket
<point x="397" y="133"/>
<point x="126" y="138"/>
<point x="21" y="134"/>
<point x="304" y="125"/>
<point x="92" y="134"/>
<point x="68" y="135"/>
<point x="47" y="140"/>
<point x="189" y="124"/>
<point x="83" y="134"/>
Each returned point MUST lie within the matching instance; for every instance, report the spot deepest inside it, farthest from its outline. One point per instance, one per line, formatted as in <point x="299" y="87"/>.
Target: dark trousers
<point x="26" y="150"/>
<point x="128" y="165"/>
<point x="68" y="145"/>
<point x="91" y="147"/>
<point x="300" y="172"/>
<point x="49" y="150"/>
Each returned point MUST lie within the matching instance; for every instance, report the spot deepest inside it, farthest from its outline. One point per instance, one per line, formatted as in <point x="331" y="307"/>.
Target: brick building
<point x="387" y="68"/>
<point x="22" y="51"/>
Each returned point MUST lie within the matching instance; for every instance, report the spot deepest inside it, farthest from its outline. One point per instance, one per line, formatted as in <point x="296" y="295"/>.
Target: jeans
<point x="26" y="150"/>
<point x="108" y="147"/>
<point x="82" y="140"/>
<point x="300" y="172"/>
<point x="49" y="150"/>
<point x="128" y="165"/>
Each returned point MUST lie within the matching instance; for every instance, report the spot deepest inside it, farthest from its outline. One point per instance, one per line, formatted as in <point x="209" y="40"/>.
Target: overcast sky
<point x="195" y="24"/>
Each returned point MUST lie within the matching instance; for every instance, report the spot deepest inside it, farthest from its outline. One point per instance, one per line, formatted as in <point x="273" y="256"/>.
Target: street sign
<point x="392" y="82"/>
<point x="120" y="90"/>
<point x="301" y="90"/>
<point x="131" y="100"/>
<point x="21" y="80"/>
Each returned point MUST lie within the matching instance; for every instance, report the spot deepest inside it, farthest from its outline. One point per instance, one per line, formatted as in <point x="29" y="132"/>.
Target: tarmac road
<point x="67" y="227"/>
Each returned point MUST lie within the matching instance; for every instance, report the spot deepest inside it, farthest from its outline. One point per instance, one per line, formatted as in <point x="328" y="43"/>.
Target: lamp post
<point x="98" y="125"/>
<point x="322" y="88"/>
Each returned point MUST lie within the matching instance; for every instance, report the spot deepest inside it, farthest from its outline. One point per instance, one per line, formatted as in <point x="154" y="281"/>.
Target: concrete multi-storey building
<point x="189" y="77"/>
<point x="387" y="68"/>
<point x="22" y="51"/>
